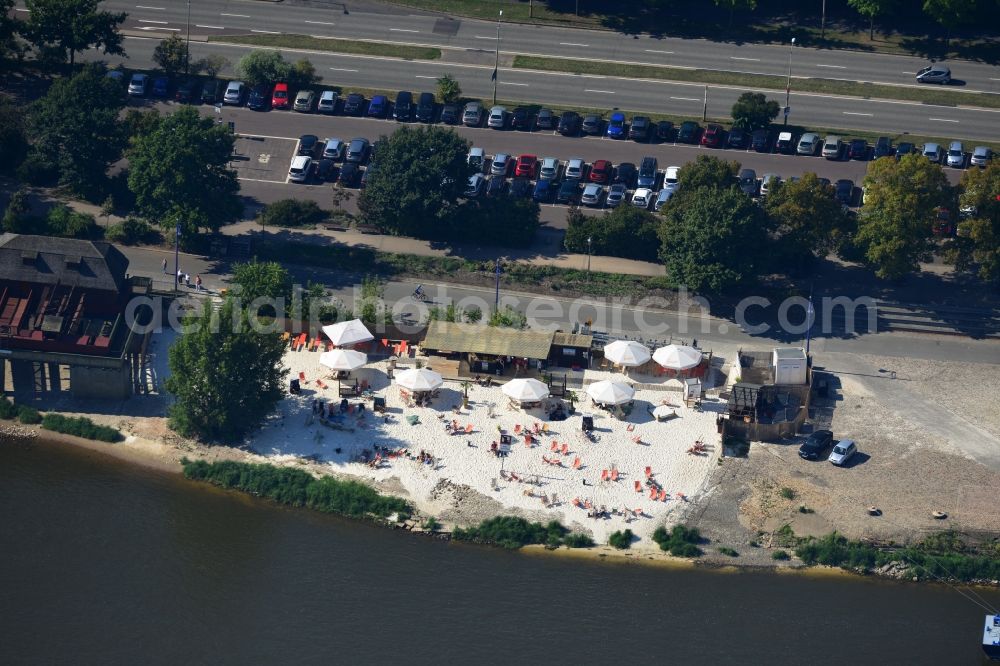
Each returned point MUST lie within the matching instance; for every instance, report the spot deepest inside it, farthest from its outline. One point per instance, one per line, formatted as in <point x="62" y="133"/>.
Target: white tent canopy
<point x="663" y="412"/>
<point x="677" y="357"/>
<point x="526" y="390"/>
<point x="610" y="393"/>
<point x="626" y="352"/>
<point x="419" y="379"/>
<point x="347" y="333"/>
<point x="343" y="359"/>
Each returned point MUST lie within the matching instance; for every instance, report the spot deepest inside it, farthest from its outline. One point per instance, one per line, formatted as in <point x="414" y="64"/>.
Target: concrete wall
<point x="110" y="383"/>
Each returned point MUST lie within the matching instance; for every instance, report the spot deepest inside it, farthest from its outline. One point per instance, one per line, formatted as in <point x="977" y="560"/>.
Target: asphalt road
<point x="373" y="21"/>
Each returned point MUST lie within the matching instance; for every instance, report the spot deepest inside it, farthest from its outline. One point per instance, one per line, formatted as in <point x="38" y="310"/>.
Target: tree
<point x="302" y="74"/>
<point x="625" y="231"/>
<point x="263" y="280"/>
<point x="717" y="241"/>
<point x="212" y="65"/>
<point x="950" y="14"/>
<point x="225" y="376"/>
<point x="978" y="242"/>
<point x="13" y="140"/>
<point x="292" y="213"/>
<point x="448" y="89"/>
<point x="707" y="171"/>
<point x="8" y="30"/>
<point x="180" y="173"/>
<point x="806" y="218"/>
<point x="17" y="209"/>
<point x="901" y="201"/>
<point x="754" y="111"/>
<point x="171" y="55"/>
<point x="732" y="5"/>
<point x="415" y="190"/>
<point x="108" y="209"/>
<point x="499" y="221"/>
<point x="71" y="26"/>
<point x="871" y="9"/>
<point x="259" y="67"/>
<point x="78" y="121"/>
<point x="508" y="317"/>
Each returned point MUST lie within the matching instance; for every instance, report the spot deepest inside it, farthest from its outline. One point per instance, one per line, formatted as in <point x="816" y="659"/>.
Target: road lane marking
<point x="655" y="51"/>
<point x="266" y="32"/>
<point x="910" y="73"/>
<point x="604" y="92"/>
<point x="943" y="120"/>
<point x="833" y="66"/>
<point x="687" y="99"/>
<point x="508" y="83"/>
<point x="994" y="79"/>
<point x="340" y="69"/>
<point x="402" y="30"/>
<point x="320" y="22"/>
<point x="573" y="44"/>
<point x="236" y="15"/>
<point x="157" y="28"/>
<point x="739" y="58"/>
<point x="423" y="76"/>
<point x="213" y="27"/>
<point x="484" y="37"/>
<point x="159" y="9"/>
<point x="856" y="113"/>
<point x="18" y="9"/>
<point x="159" y="22"/>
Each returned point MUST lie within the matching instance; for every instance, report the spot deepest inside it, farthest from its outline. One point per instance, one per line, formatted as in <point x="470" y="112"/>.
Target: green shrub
<point x="726" y="550"/>
<point x="80" y="426"/>
<point x="28" y="415"/>
<point x="292" y="213"/>
<point x="787" y="493"/>
<point x="66" y="222"/>
<point x="7" y="409"/>
<point x="39" y="170"/>
<point x="513" y="532"/>
<point x="578" y="540"/>
<point x="431" y="524"/>
<point x="680" y="541"/>
<point x="622" y="540"/>
<point x="780" y="555"/>
<point x="132" y="231"/>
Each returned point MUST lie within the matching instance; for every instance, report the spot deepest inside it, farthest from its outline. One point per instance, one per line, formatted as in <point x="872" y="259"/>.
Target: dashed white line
<point x="213" y="27"/>
<point x="159" y="22"/>
<point x="484" y="37"/>
<point x="655" y="51"/>
<point x="424" y="76"/>
<point x="18" y="9"/>
<point x="572" y="44"/>
<point x="266" y="32"/>
<point x="159" y="9"/>
<point x="320" y="22"/>
<point x="739" y="58"/>
<point x="833" y="66"/>
<point x="992" y="79"/>
<point x="943" y="120"/>
<point x="687" y="99"/>
<point x="508" y="83"/>
<point x="402" y="30"/>
<point x="856" y="113"/>
<point x="910" y="73"/>
<point x="341" y="69"/>
<point x="604" y="92"/>
<point x="236" y="15"/>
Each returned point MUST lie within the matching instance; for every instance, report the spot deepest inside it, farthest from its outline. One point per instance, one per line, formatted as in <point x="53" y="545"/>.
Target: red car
<point x="526" y="166"/>
<point x="712" y="138"/>
<point x="280" y="99"/>
<point x="600" y="172"/>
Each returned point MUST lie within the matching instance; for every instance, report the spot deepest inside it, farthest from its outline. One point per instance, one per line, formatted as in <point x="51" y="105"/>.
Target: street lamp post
<point x="187" y="44"/>
<point x="589" y="241"/>
<point x="788" y="82"/>
<point x="496" y="66"/>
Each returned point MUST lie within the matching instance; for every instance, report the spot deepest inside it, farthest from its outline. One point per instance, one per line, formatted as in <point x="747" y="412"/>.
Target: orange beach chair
<point x="638" y="487"/>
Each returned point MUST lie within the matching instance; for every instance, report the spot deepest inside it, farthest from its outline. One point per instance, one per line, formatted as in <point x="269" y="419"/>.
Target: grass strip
<point x="939" y="96"/>
<point x="335" y="46"/>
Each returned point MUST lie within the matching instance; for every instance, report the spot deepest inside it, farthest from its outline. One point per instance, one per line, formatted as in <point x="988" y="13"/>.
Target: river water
<point x="104" y="563"/>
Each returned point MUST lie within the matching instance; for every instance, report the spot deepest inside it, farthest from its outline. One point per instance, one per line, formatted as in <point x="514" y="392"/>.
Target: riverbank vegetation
<point x="80" y="426"/>
<point x="512" y="533"/>
<point x="680" y="541"/>
<point x="296" y="487"/>
<point x="622" y="540"/>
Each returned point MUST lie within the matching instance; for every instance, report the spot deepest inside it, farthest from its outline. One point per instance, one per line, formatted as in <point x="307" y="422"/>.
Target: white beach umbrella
<point x="677" y="357"/>
<point x="348" y="333"/>
<point x="526" y="390"/>
<point x="343" y="359"/>
<point x="419" y="379"/>
<point x="626" y="352"/>
<point x="610" y="393"/>
<point x="664" y="412"/>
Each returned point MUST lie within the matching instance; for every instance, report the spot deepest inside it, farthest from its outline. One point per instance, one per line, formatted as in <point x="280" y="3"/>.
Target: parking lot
<point x="263" y="159"/>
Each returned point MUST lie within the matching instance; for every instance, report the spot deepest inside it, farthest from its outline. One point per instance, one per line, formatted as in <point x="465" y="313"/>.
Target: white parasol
<point x="610" y="393"/>
<point x="343" y="359"/>
<point x="663" y="412"/>
<point x="419" y="379"/>
<point x="526" y="390"/>
<point x="347" y="333"/>
<point x="626" y="352"/>
<point x="677" y="357"/>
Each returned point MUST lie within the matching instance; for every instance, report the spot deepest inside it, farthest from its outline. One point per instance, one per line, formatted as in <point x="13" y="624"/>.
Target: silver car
<point x="981" y="156"/>
<point x="956" y="155"/>
<point x="498" y="117"/>
<point x="616" y="195"/>
<point x="501" y="164"/>
<point x="808" y="144"/>
<point x="574" y="168"/>
<point x="932" y="151"/>
<point x="137" y="86"/>
<point x="768" y="182"/>
<point x="549" y="170"/>
<point x="333" y="149"/>
<point x="592" y="195"/>
<point x="234" y="93"/>
<point x="934" y="74"/>
<point x="842" y="452"/>
<point x="473" y="114"/>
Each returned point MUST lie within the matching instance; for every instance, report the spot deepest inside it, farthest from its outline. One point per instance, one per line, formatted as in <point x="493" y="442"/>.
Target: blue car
<point x="160" y="85"/>
<point x="379" y="107"/>
<point x="543" y="191"/>
<point x="616" y="126"/>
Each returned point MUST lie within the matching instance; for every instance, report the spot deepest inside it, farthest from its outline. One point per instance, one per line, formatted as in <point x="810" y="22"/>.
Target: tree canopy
<point x="76" y="127"/>
<point x="502" y="221"/>
<point x="716" y="241"/>
<point x="901" y="201"/>
<point x="13" y="140"/>
<point x="707" y="171"/>
<point x="226" y="377"/>
<point x="806" y="217"/>
<point x="180" y="174"/>
<point x="448" y="89"/>
<point x="421" y="174"/>
<point x="171" y="55"/>
<point x="268" y="280"/>
<point x="71" y="26"/>
<point x="871" y="9"/>
<point x="625" y="231"/>
<point x="754" y="111"/>
<point x="264" y="66"/>
<point x="977" y="245"/>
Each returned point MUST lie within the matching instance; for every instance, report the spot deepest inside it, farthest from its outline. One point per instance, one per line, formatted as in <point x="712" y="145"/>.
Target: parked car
<point x="642" y="197"/>
<point x="116" y="75"/>
<point x="626" y="174"/>
<point x="280" y="98"/>
<point x="639" y="128"/>
<point x="816" y="444"/>
<point x="832" y="147"/>
<point x="809" y="144"/>
<point x="883" y="147"/>
<point x="501" y="165"/>
<point x="472" y="115"/>
<point x="647" y="172"/>
<point x="956" y="155"/>
<point x="334" y="149"/>
<point x="844" y="191"/>
<point x="498" y="117"/>
<point x="234" y="93"/>
<point x="665" y="130"/>
<point x="748" y="182"/>
<point x="519" y="188"/>
<point x="842" y="452"/>
<point x="354" y="105"/>
<point x="521" y="119"/>
<point x="543" y="191"/>
<point x="671" y="177"/>
<point x="616" y="126"/>
<point x="402" y="110"/>
<point x="575" y="168"/>
<point x="905" y="148"/>
<point x="600" y="171"/>
<point x="857" y="149"/>
<point x="760" y="141"/>
<point x="324" y="170"/>
<point x="934" y="73"/>
<point x="213" y="91"/>
<point x="933" y="152"/>
<point x="737" y="139"/>
<point x="785" y="143"/>
<point x="308" y="143"/>
<point x="592" y="124"/>
<point x="713" y="136"/>
<point x="304" y="101"/>
<point x="476" y="158"/>
<point x="592" y="195"/>
<point x="357" y="151"/>
<point x="450" y="114"/>
<point x="981" y="156"/>
<point x="300" y="169"/>
<point x="570" y="123"/>
<point x="138" y="85"/>
<point x="161" y="85"/>
<point x="327" y="103"/>
<point x="689" y="131"/>
<point x="525" y="166"/>
<point x="378" y="107"/>
<point x="768" y="182"/>
<point x="476" y="185"/>
<point x="569" y="191"/>
<point x="662" y="197"/>
<point x="350" y="175"/>
<point x="425" y="107"/>
<point x="260" y="97"/>
<point x="549" y="169"/>
<point x="496" y="186"/>
<point x="545" y="119"/>
<point x="616" y="194"/>
<point x="187" y="91"/>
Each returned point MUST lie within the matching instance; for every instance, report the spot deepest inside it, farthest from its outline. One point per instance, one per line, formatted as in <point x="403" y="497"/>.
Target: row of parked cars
<point x="331" y="160"/>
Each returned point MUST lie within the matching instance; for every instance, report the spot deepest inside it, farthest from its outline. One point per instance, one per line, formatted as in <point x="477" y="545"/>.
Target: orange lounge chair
<point x="614" y="475"/>
<point x="517" y="429"/>
<point x="557" y="462"/>
<point x="468" y="428"/>
<point x="637" y="439"/>
<point x="604" y="475"/>
<point x="638" y="487"/>
<point x="576" y="463"/>
<point x="649" y="472"/>
<point x="545" y="460"/>
<point x="319" y="383"/>
<point x="576" y="501"/>
<point x="554" y="447"/>
<point x="631" y="427"/>
<point x="565" y="449"/>
<point x="527" y="441"/>
<point x="588" y="504"/>
<point x="663" y="495"/>
<point x="652" y="493"/>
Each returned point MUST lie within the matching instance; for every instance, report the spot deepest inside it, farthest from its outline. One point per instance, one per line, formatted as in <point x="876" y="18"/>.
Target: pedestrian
<point x="197" y="282"/>
<point x="187" y="280"/>
<point x="164" y="266"/>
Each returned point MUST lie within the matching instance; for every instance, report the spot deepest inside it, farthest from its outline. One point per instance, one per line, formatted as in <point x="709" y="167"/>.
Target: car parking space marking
<point x="832" y="66"/>
<point x="857" y="113"/>
<point x="341" y="69"/>
<point x="663" y="52"/>
<point x="402" y="30"/>
<point x="236" y="15"/>
<point x="266" y="32"/>
<point x="261" y="180"/>
<point x="573" y="44"/>
<point x="603" y="92"/>
<point x="213" y="27"/>
<point x="738" y="58"/>
<point x="321" y="22"/>
<point x="944" y="120"/>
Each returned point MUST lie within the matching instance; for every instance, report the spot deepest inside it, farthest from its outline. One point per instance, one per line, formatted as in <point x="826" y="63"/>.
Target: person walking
<point x="197" y="282"/>
<point x="164" y="266"/>
<point x="187" y="280"/>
